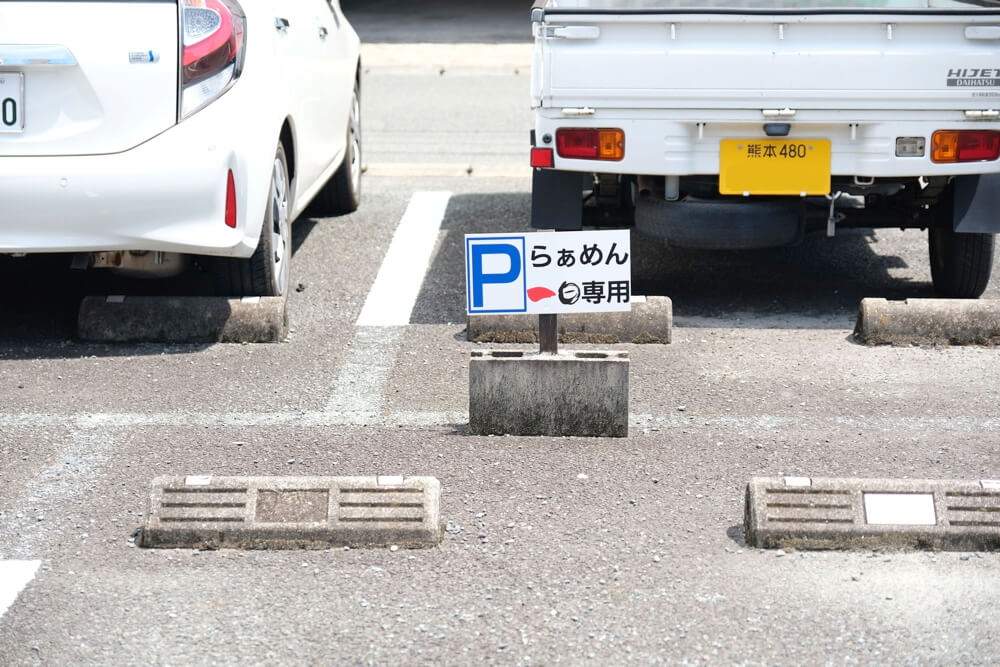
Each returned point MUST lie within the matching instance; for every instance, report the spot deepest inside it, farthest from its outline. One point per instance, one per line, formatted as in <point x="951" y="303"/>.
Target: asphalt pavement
<point x="556" y="550"/>
<point x="439" y="21"/>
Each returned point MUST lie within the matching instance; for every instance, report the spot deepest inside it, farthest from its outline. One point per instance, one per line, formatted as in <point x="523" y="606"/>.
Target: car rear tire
<point x="266" y="272"/>
<point x="342" y="193"/>
<point x="961" y="264"/>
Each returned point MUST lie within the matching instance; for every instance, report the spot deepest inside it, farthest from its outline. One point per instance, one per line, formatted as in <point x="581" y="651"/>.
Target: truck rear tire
<point x="961" y="264"/>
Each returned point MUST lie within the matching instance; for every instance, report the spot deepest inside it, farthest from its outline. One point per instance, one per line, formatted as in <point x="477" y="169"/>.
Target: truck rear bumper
<point x="660" y="142"/>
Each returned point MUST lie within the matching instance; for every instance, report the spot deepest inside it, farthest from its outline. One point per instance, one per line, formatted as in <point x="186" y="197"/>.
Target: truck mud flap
<point x="977" y="204"/>
<point x="557" y="199"/>
<point x="720" y="225"/>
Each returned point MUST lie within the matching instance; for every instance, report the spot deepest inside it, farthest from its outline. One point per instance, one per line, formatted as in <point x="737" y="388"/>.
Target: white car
<point x="137" y="134"/>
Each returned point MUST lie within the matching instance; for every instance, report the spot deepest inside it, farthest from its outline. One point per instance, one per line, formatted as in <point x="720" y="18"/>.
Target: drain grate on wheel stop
<point x="828" y="513"/>
<point x="292" y="512"/>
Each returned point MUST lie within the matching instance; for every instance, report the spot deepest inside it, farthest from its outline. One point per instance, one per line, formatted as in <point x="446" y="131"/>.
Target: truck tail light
<point x="213" y="47"/>
<point x="590" y="143"/>
<point x="965" y="145"/>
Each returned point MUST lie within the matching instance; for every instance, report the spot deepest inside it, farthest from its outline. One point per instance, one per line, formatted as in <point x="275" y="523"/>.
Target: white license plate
<point x="11" y="102"/>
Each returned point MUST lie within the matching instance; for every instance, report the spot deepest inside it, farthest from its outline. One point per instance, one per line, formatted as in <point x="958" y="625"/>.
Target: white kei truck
<point x="738" y="124"/>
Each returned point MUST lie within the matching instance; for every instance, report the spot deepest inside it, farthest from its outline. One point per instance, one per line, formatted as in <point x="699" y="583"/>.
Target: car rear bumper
<point x="168" y="194"/>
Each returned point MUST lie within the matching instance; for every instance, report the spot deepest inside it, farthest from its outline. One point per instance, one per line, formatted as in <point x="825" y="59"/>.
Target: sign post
<point x="548" y="334"/>
<point x="547" y="274"/>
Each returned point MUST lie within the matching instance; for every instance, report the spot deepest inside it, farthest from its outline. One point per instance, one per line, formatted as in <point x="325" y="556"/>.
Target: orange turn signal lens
<point x="944" y="146"/>
<point x="965" y="146"/>
<point x="612" y="144"/>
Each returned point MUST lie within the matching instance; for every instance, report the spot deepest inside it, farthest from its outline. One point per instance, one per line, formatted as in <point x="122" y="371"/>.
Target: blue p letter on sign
<point x="495" y="274"/>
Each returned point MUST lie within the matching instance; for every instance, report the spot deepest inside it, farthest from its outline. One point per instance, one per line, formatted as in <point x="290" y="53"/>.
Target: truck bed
<point x="553" y="7"/>
<point x="909" y="55"/>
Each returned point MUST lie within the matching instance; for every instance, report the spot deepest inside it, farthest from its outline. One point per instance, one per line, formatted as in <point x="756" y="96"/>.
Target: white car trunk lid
<point x="94" y="77"/>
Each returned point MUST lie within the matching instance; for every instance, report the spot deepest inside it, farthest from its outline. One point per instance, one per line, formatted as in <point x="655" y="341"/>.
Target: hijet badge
<point x="548" y="272"/>
<point x="972" y="77"/>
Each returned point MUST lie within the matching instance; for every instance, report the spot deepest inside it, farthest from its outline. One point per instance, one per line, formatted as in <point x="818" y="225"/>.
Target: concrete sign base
<point x="207" y="512"/>
<point x="649" y="321"/>
<point x="581" y="393"/>
<point x="926" y="321"/>
<point x="169" y="319"/>
<point x="804" y="513"/>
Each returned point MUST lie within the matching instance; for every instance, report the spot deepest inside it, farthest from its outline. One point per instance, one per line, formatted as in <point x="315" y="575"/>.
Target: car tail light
<point x="230" y="201"/>
<point x="965" y="145"/>
<point x="213" y="47"/>
<point x="590" y="143"/>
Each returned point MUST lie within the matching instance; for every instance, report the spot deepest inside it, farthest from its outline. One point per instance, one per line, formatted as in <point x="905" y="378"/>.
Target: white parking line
<point x="81" y="459"/>
<point x="14" y="576"/>
<point x="394" y="292"/>
<point x="357" y="396"/>
<point x="364" y="413"/>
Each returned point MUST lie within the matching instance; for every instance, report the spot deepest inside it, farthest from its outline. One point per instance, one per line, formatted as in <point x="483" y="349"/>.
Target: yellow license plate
<point x="774" y="167"/>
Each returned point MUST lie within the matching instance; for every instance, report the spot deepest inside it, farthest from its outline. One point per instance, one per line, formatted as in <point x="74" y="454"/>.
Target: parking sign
<point x="548" y="272"/>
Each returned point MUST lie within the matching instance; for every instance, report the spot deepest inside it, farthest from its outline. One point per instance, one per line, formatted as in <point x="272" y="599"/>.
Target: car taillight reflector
<point x="213" y="49"/>
<point x="965" y="145"/>
<point x="590" y="143"/>
<point x="230" y="201"/>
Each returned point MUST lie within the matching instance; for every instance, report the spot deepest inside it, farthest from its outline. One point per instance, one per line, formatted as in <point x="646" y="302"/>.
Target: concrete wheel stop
<point x="168" y="319"/>
<point x="927" y="321"/>
<point x="828" y="513"/>
<point x="649" y="321"/>
<point x="207" y="512"/>
<point x="567" y="393"/>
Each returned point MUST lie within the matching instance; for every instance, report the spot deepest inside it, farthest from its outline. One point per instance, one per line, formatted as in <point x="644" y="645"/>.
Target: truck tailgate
<point x="835" y="61"/>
